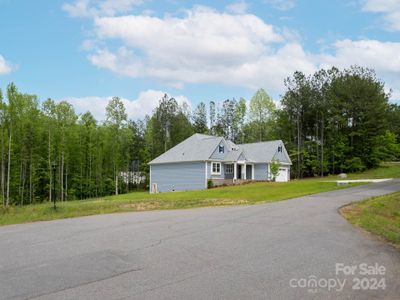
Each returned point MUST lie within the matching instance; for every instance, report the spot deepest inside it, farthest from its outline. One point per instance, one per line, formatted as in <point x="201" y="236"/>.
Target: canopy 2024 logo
<point x="363" y="277"/>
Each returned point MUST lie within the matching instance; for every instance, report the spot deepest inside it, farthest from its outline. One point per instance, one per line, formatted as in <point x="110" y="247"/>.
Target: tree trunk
<point x="49" y="161"/>
<point x="128" y="178"/>
<point x="116" y="183"/>
<point x="3" y="194"/>
<point x="81" y="181"/>
<point x="298" y="147"/>
<point x="9" y="168"/>
<point x="23" y="181"/>
<point x="30" y="180"/>
<point x="317" y="144"/>
<point x="322" y="145"/>
<point x="62" y="176"/>
<point x="66" y="182"/>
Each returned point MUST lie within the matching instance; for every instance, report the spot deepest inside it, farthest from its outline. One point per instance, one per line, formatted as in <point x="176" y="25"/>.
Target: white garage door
<point x="283" y="175"/>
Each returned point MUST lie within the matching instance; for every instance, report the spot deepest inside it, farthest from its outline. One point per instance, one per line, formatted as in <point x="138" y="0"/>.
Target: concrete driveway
<point x="267" y="251"/>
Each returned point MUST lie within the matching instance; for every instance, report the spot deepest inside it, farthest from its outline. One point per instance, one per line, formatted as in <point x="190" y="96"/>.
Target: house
<point x="200" y="158"/>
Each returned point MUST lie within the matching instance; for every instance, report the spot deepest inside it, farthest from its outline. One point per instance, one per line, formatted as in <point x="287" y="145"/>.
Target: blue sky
<point x="86" y="50"/>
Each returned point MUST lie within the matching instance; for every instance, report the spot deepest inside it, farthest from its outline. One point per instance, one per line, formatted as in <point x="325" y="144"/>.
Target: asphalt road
<point x="267" y="251"/>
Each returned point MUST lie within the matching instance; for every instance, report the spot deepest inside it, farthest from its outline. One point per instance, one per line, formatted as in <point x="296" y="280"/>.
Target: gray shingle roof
<point x="233" y="155"/>
<point x="199" y="147"/>
<point x="262" y="151"/>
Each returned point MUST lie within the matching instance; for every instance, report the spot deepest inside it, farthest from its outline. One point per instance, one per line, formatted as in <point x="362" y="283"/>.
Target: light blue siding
<point x="281" y="157"/>
<point x="261" y="171"/>
<point x="209" y="176"/>
<point x="179" y="176"/>
<point x="216" y="155"/>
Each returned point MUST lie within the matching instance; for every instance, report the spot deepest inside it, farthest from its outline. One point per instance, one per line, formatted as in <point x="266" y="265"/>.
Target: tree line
<point x="331" y="121"/>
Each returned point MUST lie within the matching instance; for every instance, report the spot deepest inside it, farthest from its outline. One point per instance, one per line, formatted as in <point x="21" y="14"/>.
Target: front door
<point x="239" y="172"/>
<point x="249" y="172"/>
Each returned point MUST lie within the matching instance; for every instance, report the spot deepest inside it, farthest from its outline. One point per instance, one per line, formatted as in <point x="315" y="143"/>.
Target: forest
<point x="331" y="121"/>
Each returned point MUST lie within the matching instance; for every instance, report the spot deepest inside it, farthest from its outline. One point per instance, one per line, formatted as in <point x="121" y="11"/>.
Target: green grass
<point x="386" y="170"/>
<point x="254" y="193"/>
<point x="379" y="215"/>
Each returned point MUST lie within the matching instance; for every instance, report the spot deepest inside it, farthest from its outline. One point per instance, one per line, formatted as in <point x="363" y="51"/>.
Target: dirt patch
<point x="141" y="206"/>
<point x="230" y="201"/>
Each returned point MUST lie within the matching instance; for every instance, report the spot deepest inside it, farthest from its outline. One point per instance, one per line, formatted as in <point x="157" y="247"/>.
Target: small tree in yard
<point x="274" y="168"/>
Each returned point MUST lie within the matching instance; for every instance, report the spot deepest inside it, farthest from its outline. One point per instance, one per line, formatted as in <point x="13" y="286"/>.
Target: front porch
<point x="235" y="173"/>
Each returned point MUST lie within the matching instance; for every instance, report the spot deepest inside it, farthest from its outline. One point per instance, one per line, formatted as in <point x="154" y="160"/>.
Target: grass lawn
<point x="253" y="193"/>
<point x="379" y="215"/>
<point x="260" y="192"/>
<point x="386" y="170"/>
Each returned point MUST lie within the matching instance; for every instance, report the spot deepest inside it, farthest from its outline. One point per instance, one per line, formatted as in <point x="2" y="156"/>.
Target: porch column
<point x="234" y="171"/>
<point x="244" y="172"/>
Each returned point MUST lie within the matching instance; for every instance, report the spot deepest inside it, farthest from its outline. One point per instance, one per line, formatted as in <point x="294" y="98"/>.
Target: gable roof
<point x="199" y="147"/>
<point x="262" y="151"/>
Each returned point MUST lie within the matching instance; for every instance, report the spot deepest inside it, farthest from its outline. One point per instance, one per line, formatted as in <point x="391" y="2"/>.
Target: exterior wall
<point x="281" y="157"/>
<point x="261" y="171"/>
<point x="178" y="176"/>
<point x="219" y="156"/>
<point x="209" y="176"/>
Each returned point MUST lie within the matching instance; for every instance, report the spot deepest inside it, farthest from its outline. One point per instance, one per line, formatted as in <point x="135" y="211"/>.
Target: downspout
<point x="205" y="179"/>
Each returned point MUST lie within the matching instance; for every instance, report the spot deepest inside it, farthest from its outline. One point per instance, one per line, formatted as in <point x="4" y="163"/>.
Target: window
<point x="228" y="169"/>
<point x="221" y="149"/>
<point x="215" y="168"/>
<point x="280" y="149"/>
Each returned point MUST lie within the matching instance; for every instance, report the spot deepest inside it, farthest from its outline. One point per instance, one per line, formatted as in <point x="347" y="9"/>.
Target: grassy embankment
<point x="261" y="192"/>
<point x="379" y="215"/>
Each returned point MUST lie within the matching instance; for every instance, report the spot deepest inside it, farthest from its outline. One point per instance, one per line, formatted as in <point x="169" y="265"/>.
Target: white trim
<point x="235" y="171"/>
<point x="150" y="180"/>
<point x="245" y="171"/>
<point x="252" y="171"/>
<point x="220" y="167"/>
<point x="206" y="179"/>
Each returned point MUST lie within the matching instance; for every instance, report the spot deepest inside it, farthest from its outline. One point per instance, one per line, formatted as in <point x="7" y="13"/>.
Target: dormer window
<point x="221" y="149"/>
<point x="280" y="149"/>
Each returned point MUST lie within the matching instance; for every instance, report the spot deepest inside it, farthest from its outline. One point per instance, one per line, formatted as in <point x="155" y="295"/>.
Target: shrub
<point x="210" y="184"/>
<point x="354" y="165"/>
<point x="274" y="168"/>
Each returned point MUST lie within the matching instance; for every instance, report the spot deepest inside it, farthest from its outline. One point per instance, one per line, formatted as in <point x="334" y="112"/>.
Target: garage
<point x="283" y="175"/>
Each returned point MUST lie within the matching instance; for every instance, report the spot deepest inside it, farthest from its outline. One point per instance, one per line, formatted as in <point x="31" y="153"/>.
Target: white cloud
<point x="93" y="8"/>
<point x="5" y="67"/>
<point x="282" y="4"/>
<point x="136" y="109"/>
<point x="238" y="7"/>
<point x="207" y="46"/>
<point x="389" y="8"/>
<point x="203" y="46"/>
<point x="383" y="57"/>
